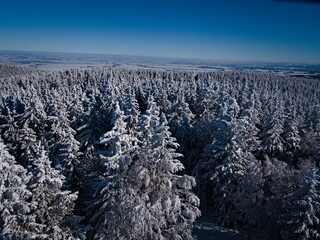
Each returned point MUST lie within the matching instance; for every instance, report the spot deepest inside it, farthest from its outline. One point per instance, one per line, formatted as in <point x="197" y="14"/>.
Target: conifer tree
<point x="108" y="212"/>
<point x="302" y="219"/>
<point x="51" y="208"/>
<point x="271" y="136"/>
<point x="14" y="197"/>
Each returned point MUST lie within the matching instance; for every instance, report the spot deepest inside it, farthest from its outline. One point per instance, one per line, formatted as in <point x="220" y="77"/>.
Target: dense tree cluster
<point x="109" y="153"/>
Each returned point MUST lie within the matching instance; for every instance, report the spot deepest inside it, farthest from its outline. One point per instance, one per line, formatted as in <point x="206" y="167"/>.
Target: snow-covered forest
<point x="109" y="153"/>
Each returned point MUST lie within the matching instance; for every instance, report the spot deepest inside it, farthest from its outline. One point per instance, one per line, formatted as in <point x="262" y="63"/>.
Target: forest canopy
<point x="107" y="153"/>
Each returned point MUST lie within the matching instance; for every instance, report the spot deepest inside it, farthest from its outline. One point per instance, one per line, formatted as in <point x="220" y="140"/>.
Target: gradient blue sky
<point x="262" y="30"/>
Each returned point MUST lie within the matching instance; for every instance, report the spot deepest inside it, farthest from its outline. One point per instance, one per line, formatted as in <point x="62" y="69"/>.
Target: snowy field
<point x="62" y="61"/>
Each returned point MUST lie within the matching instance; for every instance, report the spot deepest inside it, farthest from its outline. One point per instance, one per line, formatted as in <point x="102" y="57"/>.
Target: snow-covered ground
<point x="205" y="229"/>
<point x="62" y="61"/>
<point x="209" y="231"/>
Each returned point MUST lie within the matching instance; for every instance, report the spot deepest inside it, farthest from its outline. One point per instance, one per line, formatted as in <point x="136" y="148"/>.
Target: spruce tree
<point x="302" y="219"/>
<point x="14" y="198"/>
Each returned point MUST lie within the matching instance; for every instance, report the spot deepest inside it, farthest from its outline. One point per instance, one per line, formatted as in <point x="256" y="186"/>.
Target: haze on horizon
<point x="246" y="30"/>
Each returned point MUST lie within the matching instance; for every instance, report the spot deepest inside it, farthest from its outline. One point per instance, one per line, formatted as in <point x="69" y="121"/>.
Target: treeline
<point x="127" y="154"/>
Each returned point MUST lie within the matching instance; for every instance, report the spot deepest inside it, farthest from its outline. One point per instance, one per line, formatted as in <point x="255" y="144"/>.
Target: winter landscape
<point x="114" y="153"/>
<point x="160" y="120"/>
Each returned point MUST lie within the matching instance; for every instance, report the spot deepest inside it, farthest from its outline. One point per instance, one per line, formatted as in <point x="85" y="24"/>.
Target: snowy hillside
<point x="111" y="153"/>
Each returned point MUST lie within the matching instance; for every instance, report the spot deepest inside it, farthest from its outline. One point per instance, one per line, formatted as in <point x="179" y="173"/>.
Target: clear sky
<point x="227" y="29"/>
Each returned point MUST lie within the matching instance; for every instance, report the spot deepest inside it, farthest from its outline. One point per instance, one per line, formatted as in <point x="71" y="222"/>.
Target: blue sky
<point x="263" y="30"/>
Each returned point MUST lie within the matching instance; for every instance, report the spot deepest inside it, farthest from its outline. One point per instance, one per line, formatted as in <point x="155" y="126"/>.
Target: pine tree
<point x="14" y="197"/>
<point x="302" y="220"/>
<point x="107" y="213"/>
<point x="9" y="127"/>
<point x="170" y="205"/>
<point x="64" y="149"/>
<point x="271" y="136"/>
<point x="291" y="136"/>
<point x="51" y="208"/>
<point x="131" y="110"/>
<point x="180" y="120"/>
<point x="24" y="130"/>
<point x="142" y="197"/>
<point x="215" y="151"/>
